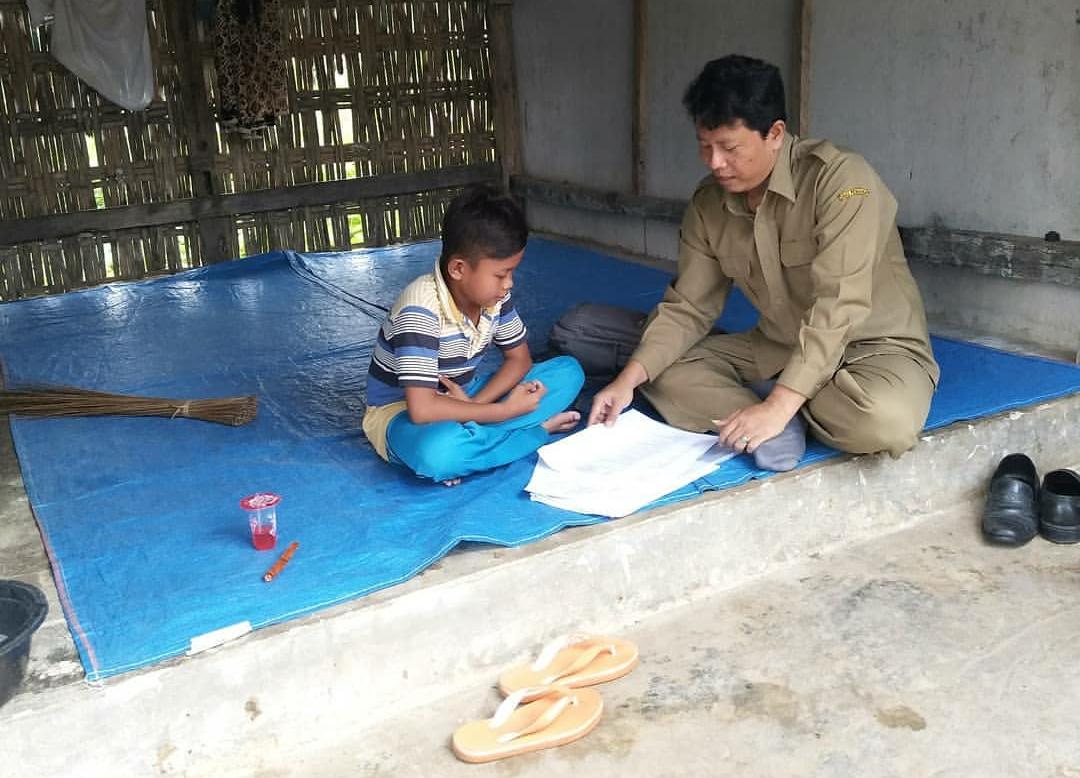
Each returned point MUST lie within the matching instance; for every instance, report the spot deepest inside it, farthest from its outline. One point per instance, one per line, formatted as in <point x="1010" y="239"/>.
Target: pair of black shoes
<point x="1018" y="508"/>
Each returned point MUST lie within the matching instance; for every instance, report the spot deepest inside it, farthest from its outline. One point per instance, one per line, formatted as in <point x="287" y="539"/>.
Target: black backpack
<point x="601" y="337"/>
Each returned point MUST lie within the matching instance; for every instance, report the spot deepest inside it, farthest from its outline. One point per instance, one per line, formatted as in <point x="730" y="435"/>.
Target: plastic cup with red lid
<point x="261" y="509"/>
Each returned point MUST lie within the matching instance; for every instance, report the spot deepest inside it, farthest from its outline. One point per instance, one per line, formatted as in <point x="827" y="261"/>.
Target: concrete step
<point x="919" y="653"/>
<point x="316" y="680"/>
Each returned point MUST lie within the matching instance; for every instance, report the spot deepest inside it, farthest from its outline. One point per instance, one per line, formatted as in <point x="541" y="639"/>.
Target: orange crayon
<point x="282" y="561"/>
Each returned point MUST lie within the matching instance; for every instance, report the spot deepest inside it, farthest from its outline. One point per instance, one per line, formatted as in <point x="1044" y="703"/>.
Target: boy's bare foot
<point x="562" y="422"/>
<point x="451" y="482"/>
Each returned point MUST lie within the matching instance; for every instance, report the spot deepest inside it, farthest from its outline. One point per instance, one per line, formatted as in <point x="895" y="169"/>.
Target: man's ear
<point x="455" y="268"/>
<point x="774" y="138"/>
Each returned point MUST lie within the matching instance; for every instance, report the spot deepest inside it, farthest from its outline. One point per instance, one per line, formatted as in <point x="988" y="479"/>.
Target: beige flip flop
<point x="556" y="716"/>
<point x="573" y="662"/>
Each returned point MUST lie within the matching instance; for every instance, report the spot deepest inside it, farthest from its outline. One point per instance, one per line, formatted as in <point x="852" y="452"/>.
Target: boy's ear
<point x="455" y="268"/>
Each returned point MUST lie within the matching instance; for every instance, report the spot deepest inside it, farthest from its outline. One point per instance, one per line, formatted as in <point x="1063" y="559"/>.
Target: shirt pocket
<point x="795" y="253"/>
<point x="858" y="350"/>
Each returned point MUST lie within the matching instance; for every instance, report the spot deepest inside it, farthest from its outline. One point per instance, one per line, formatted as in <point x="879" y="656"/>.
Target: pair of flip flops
<point x="546" y="703"/>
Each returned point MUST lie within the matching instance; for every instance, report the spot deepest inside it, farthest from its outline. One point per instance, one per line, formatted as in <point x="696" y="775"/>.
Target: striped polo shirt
<point x="425" y="336"/>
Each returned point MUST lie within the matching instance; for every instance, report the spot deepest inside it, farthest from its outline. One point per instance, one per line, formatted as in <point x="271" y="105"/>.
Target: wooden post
<point x="504" y="88"/>
<point x="640" y="119"/>
<point x="200" y="127"/>
<point x="806" y="31"/>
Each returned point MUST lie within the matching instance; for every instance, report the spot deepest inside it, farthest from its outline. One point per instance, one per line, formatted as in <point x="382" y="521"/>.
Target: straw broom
<point x="71" y="401"/>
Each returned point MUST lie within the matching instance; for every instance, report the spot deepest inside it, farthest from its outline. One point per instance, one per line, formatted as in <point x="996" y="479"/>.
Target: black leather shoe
<point x="1011" y="517"/>
<point x="1059" y="504"/>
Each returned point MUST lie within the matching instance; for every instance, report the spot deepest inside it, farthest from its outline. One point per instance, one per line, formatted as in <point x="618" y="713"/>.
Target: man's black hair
<point x="733" y="88"/>
<point x="482" y="222"/>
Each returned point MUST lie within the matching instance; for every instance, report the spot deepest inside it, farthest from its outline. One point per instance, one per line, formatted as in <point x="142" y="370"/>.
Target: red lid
<point x="259" y="501"/>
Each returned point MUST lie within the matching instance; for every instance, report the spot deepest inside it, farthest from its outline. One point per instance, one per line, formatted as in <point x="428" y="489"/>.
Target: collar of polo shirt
<point x="447" y="300"/>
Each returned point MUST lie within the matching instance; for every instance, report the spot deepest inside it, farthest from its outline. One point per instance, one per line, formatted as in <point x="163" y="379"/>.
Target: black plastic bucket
<point x="22" y="609"/>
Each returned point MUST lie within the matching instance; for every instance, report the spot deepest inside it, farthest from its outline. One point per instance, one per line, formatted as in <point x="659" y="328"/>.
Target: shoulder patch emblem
<point x="854" y="191"/>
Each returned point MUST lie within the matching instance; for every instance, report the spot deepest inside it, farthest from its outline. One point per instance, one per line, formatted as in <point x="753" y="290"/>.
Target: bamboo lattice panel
<point x="334" y="227"/>
<point x="376" y="87"/>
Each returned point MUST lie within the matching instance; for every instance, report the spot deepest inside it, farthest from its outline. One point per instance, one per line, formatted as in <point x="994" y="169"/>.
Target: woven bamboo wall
<point x="374" y="87"/>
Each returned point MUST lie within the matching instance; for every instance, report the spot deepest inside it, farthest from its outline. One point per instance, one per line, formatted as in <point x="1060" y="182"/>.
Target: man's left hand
<point x="749" y="427"/>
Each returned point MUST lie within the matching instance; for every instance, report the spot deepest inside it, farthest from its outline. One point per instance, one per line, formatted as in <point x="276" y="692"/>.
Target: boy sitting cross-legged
<point x="426" y="408"/>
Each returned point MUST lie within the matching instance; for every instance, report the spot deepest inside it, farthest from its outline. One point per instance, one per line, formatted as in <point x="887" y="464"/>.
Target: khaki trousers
<point x="877" y="403"/>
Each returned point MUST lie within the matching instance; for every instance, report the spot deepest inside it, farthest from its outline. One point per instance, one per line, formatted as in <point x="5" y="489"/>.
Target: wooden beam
<point x="806" y="32"/>
<point x="639" y="127"/>
<point x="1014" y="257"/>
<point x="219" y="206"/>
<point x="504" y="89"/>
<point x="574" y="196"/>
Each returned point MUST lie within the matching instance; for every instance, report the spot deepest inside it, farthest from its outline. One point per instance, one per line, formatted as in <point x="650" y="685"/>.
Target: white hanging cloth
<point x="105" y="43"/>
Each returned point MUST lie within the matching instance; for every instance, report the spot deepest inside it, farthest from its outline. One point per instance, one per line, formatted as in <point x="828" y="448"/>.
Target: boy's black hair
<point x="733" y="88"/>
<point x="482" y="222"/>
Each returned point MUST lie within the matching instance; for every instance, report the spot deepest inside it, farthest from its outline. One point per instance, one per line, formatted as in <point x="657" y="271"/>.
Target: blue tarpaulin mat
<point x="141" y="516"/>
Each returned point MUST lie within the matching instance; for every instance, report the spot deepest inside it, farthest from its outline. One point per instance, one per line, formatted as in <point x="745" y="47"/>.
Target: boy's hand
<point x="453" y="389"/>
<point x="524" y="398"/>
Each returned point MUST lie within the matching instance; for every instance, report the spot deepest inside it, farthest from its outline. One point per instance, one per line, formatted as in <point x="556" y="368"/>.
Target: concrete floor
<point x="53" y="658"/>
<point x="920" y="653"/>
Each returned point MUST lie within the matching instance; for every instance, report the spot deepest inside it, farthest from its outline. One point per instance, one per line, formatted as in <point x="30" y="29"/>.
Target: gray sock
<point x="762" y="388"/>
<point x="785" y="450"/>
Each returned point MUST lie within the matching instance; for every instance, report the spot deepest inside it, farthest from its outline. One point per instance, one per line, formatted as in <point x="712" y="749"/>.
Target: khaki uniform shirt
<point x="821" y="260"/>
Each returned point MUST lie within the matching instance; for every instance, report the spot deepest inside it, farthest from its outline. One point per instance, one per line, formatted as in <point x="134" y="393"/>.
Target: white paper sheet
<point x="614" y="471"/>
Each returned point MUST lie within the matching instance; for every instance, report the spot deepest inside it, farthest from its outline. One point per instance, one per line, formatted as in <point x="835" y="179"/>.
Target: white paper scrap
<point x="217" y="637"/>
<point x="614" y="471"/>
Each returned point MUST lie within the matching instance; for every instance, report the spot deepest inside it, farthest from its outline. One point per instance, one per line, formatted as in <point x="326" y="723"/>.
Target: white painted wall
<point x="679" y="45"/>
<point x="1036" y="317"/>
<point x="969" y="109"/>
<point x="574" y="61"/>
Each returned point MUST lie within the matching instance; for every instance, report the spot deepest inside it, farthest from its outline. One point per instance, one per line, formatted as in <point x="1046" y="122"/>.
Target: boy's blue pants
<point x="448" y="449"/>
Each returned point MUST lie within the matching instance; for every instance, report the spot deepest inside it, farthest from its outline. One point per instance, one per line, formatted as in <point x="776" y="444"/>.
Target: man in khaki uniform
<point x="808" y="232"/>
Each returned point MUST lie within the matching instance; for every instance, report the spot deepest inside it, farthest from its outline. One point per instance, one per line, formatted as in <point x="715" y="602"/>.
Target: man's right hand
<point x="613" y="398"/>
<point x="609" y="403"/>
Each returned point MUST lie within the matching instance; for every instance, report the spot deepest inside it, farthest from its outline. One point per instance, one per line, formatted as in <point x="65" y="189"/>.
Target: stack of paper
<point x="614" y="471"/>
